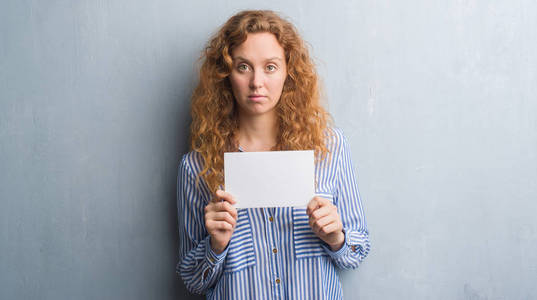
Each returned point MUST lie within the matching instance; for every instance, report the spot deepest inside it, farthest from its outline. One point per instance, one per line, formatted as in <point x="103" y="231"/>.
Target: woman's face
<point x="258" y="73"/>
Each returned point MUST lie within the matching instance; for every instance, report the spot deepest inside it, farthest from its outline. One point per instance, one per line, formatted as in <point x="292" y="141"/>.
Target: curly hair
<point x="302" y="121"/>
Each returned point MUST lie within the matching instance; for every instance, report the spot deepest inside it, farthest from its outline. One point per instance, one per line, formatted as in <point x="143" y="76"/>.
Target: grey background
<point x="437" y="98"/>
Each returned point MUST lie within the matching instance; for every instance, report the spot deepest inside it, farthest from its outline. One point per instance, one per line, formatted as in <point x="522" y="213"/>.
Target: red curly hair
<point x="302" y="121"/>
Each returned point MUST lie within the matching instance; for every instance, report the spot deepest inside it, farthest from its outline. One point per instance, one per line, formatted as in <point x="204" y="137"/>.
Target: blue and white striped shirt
<point x="273" y="253"/>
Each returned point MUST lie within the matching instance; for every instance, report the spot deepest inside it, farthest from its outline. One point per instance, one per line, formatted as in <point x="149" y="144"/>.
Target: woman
<point x="258" y="91"/>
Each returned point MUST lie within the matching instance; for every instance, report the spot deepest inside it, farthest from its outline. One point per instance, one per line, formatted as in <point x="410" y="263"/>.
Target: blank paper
<point x="270" y="178"/>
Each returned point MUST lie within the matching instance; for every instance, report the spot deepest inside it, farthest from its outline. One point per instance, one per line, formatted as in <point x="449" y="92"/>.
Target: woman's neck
<point x="257" y="133"/>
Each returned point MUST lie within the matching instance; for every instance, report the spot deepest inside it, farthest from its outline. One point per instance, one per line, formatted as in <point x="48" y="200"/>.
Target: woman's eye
<point x="271" y="67"/>
<point x="242" y="67"/>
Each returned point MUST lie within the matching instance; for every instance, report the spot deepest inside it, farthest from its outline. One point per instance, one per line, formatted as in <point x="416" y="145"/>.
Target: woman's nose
<point x="257" y="80"/>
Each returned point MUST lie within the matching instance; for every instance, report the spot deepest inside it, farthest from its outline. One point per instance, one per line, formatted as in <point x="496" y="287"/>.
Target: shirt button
<point x="353" y="247"/>
<point x="271" y="219"/>
<point x="211" y="259"/>
<point x="278" y="280"/>
<point x="275" y="250"/>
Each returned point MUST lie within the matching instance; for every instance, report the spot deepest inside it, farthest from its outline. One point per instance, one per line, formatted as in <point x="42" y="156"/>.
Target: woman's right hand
<point x="220" y="220"/>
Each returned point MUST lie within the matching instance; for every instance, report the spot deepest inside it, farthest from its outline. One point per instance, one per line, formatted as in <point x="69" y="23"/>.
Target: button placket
<point x="273" y="240"/>
<point x="206" y="273"/>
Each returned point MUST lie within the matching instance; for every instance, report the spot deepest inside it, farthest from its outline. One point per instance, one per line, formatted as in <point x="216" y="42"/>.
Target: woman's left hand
<point x="324" y="220"/>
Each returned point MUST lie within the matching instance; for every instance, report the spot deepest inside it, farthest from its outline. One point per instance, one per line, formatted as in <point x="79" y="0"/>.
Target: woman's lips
<point x="256" y="98"/>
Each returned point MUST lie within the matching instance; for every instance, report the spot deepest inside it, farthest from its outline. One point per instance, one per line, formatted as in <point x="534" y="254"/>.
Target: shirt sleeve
<point x="347" y="199"/>
<point x="199" y="267"/>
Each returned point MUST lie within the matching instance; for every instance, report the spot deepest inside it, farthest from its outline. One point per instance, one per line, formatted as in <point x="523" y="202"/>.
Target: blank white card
<point x="270" y="178"/>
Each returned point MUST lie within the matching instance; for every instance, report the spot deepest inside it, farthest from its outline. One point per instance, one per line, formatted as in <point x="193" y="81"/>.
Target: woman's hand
<point x="220" y="220"/>
<point x="325" y="222"/>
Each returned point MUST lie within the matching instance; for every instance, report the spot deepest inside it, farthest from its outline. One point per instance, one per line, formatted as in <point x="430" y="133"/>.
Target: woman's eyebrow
<point x="246" y="60"/>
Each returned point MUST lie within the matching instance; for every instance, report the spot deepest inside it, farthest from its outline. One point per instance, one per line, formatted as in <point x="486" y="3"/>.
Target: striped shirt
<point x="273" y="253"/>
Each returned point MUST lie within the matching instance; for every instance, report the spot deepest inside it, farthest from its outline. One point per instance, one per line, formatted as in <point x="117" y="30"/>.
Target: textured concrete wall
<point x="437" y="98"/>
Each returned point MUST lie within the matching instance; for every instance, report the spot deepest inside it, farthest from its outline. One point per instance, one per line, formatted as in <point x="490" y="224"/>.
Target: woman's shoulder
<point x="335" y="138"/>
<point x="335" y="141"/>
<point x="193" y="161"/>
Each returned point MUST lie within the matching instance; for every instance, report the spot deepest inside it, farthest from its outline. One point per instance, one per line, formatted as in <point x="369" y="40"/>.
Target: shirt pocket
<point x="240" y="253"/>
<point x="306" y="243"/>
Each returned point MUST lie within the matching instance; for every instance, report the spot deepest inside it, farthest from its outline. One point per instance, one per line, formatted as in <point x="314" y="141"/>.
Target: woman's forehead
<point x="259" y="47"/>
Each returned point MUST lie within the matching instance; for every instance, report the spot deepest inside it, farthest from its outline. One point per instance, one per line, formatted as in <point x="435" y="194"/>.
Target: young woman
<point x="258" y="91"/>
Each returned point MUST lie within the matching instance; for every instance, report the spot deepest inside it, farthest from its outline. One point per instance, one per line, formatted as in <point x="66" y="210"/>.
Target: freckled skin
<point x="259" y="67"/>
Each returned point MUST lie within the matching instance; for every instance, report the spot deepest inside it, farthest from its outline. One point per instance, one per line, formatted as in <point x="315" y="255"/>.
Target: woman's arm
<point x="199" y="267"/>
<point x="347" y="199"/>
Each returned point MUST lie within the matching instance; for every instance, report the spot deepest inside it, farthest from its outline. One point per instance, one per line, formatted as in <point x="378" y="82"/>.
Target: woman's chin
<point x="257" y="111"/>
